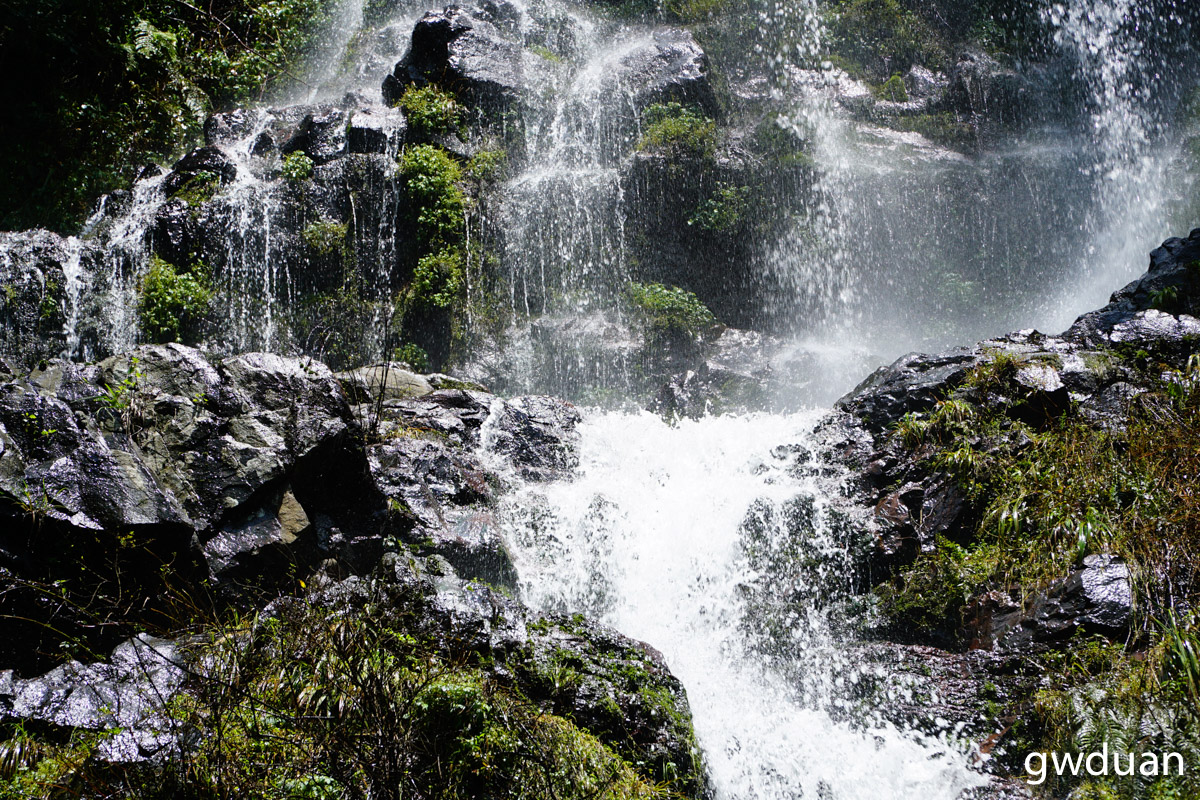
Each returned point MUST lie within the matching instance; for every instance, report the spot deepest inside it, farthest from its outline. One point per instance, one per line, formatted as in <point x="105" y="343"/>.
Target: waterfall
<point x="705" y="540"/>
<point x="1134" y="157"/>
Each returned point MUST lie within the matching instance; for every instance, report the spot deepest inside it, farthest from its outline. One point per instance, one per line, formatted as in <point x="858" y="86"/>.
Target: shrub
<point x="431" y="178"/>
<point x="438" y="279"/>
<point x="487" y="165"/>
<point x="297" y="167"/>
<point x="430" y="110"/>
<point x="413" y="355"/>
<point x="670" y="308"/>
<point x="171" y="302"/>
<point x="724" y="211"/>
<point x="678" y="130"/>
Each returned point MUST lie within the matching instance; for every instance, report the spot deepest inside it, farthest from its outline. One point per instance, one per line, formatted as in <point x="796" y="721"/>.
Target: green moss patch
<point x="677" y="130"/>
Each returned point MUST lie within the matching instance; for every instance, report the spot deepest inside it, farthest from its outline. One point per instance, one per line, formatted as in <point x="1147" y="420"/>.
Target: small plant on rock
<point x="297" y="167"/>
<point x="678" y="130"/>
<point x="171" y="301"/>
<point x="430" y="110"/>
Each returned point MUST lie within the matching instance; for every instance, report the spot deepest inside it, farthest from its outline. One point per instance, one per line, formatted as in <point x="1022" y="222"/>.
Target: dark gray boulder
<point x="464" y="54"/>
<point x="668" y="66"/>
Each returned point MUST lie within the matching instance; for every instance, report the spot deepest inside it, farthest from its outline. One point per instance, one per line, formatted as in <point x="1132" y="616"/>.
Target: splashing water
<point x="675" y="535"/>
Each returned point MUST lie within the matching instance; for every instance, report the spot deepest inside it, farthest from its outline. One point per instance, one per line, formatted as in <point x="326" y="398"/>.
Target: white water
<point x="667" y="534"/>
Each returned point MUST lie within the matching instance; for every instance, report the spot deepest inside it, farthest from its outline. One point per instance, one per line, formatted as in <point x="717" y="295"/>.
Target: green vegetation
<point x="325" y="237"/>
<point x="893" y="89"/>
<point x="487" y="165"/>
<point x="309" y="703"/>
<point x="199" y="188"/>
<point x="546" y="53"/>
<point x="670" y="308"/>
<point x="439" y="278"/>
<point x="1050" y="491"/>
<point x="432" y="178"/>
<point x="690" y="12"/>
<point x="883" y="37"/>
<point x="297" y="167"/>
<point x="172" y="302"/>
<point x="430" y="110"/>
<point x="944" y="128"/>
<point x="680" y="131"/>
<point x="724" y="211"/>
<point x="108" y="86"/>
<point x="413" y="355"/>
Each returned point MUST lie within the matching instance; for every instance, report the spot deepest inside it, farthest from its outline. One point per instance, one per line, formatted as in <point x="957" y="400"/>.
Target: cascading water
<point x="704" y="540"/>
<point x="914" y="246"/>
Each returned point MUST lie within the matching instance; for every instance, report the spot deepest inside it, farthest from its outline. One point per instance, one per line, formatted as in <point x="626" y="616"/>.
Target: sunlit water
<point x="661" y="534"/>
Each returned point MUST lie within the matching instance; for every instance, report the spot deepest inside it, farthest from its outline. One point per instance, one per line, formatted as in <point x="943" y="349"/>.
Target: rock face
<point x="906" y="504"/>
<point x="162" y="476"/>
<point x="668" y="67"/>
<point x="241" y="474"/>
<point x="33" y="298"/>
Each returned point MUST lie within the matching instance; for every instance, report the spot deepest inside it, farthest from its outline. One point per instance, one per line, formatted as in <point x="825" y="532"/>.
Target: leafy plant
<point x="432" y="179"/>
<point x="439" y="278"/>
<point x="670" y="308"/>
<point x="724" y="211"/>
<point x="172" y="302"/>
<point x="430" y="110"/>
<point x="325" y="236"/>
<point x="893" y="89"/>
<point x="297" y="167"/>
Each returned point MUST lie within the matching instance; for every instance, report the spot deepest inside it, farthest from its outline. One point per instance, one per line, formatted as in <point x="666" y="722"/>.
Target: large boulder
<point x="667" y="66"/>
<point x="462" y="53"/>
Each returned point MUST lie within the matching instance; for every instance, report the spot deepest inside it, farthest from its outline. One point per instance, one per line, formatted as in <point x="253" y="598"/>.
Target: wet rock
<point x="1096" y="599"/>
<point x="321" y="136"/>
<point x="669" y="67"/>
<point x="979" y="85"/>
<point x="126" y="696"/>
<point x="537" y="435"/>
<point x="462" y="52"/>
<point x="33" y="295"/>
<point x="202" y="159"/>
<point x="376" y="130"/>
<point x="913" y="383"/>
<point x="393" y="382"/>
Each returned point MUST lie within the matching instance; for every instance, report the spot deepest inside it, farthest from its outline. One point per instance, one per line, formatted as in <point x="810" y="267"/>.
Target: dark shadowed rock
<point x="376" y="130"/>
<point x="320" y="136"/>
<point x="668" y="66"/>
<point x="33" y="295"/>
<point x="464" y="54"/>
<point x="200" y="160"/>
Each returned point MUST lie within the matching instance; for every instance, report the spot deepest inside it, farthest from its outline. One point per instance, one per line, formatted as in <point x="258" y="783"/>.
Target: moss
<point x="546" y="53"/>
<point x="487" y="165"/>
<point x="325" y="236"/>
<point x="690" y="12"/>
<point x="677" y="130"/>
<point x="297" y="167"/>
<point x="198" y="189"/>
<point x="670" y="308"/>
<point x="883" y="36"/>
<point x="943" y="128"/>
<point x="172" y="302"/>
<point x="430" y="110"/>
<point x="893" y="89"/>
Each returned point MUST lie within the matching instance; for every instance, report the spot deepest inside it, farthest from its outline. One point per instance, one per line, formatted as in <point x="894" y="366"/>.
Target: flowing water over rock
<point x="713" y="543"/>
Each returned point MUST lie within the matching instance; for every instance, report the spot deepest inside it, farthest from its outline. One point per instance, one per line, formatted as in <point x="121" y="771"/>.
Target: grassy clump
<point x="172" y="302"/>
<point x="430" y="110"/>
<point x="439" y="278"/>
<point x="297" y="167"/>
<point x="325" y="236"/>
<point x="678" y="130"/>
<point x="670" y="308"/>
